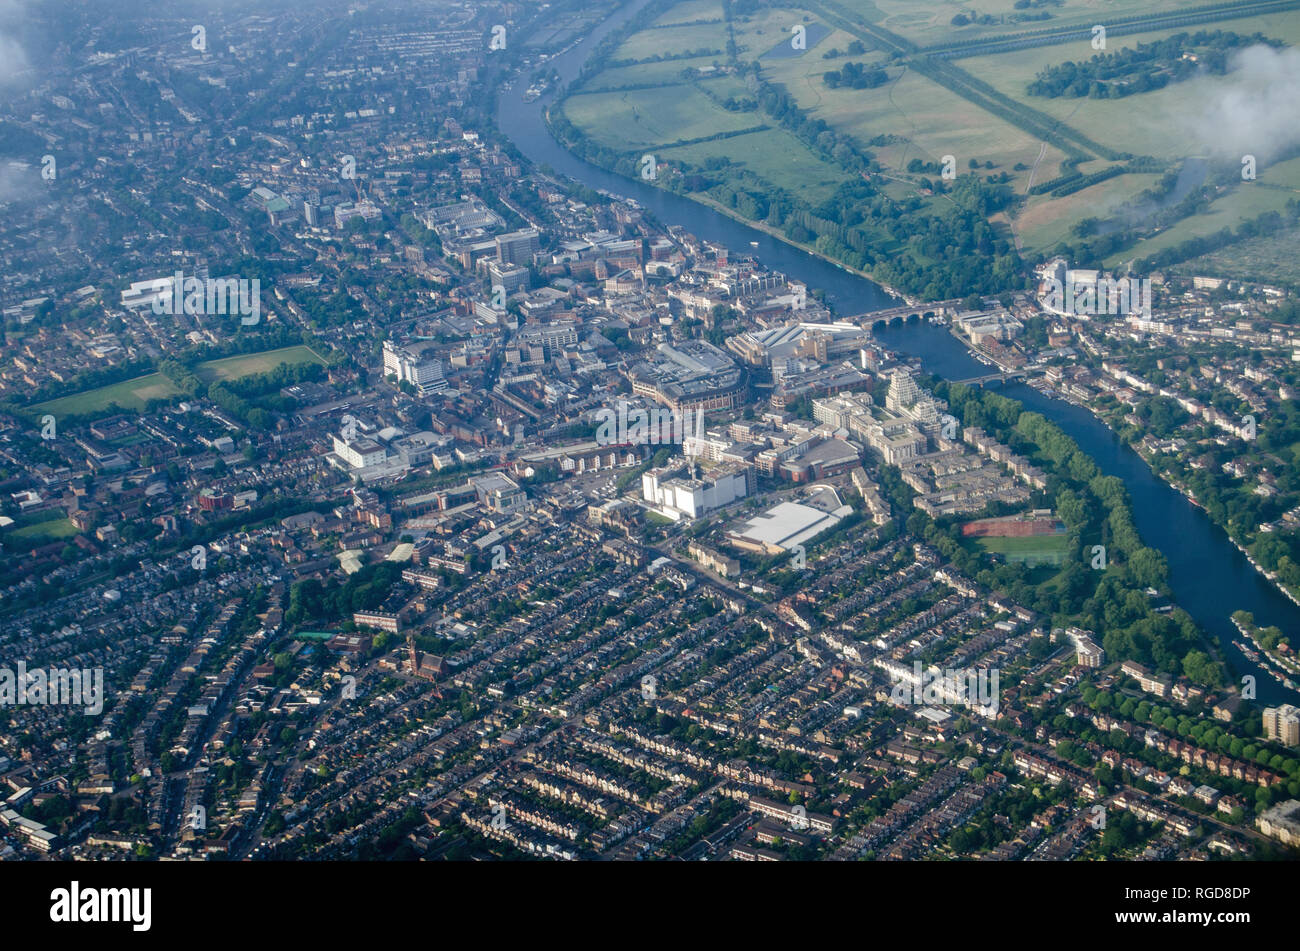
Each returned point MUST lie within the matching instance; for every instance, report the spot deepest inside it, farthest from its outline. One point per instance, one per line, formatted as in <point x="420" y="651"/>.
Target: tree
<point x="1148" y="567"/>
<point x="1200" y="669"/>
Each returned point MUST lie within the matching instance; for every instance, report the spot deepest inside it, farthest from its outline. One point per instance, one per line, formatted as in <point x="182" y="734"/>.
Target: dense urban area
<point x="373" y="491"/>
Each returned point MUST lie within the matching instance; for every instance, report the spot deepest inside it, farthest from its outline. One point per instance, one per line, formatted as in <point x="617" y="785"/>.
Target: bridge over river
<point x="940" y="308"/>
<point x="1001" y="375"/>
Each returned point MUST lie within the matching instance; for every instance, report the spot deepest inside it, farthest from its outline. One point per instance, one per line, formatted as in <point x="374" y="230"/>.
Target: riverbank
<point x="1204" y="574"/>
<point x="722" y="209"/>
<point x="1187" y="494"/>
<point x="806" y="248"/>
<point x="749" y="222"/>
<point x="1285" y="668"/>
<point x="1234" y="594"/>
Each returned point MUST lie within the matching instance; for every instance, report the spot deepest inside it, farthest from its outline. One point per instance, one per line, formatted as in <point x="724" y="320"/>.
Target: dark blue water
<point x="1132" y="214"/>
<point x="1209" y="576"/>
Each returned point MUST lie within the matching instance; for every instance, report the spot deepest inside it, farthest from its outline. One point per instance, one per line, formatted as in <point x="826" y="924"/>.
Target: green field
<point x="1228" y="210"/>
<point x="692" y="10"/>
<point x="247" y="364"/>
<point x="927" y="120"/>
<point x="135" y="394"/>
<point x="644" y="118"/>
<point x="773" y="155"/>
<point x="934" y="122"/>
<point x="725" y="86"/>
<point x="975" y="108"/>
<point x="1032" y="551"/>
<point x="673" y="40"/>
<point x="129" y="394"/>
<point x="1045" y="220"/>
<point x="929" y="23"/>
<point x="1163" y="123"/>
<point x="632" y="120"/>
<point x="758" y="32"/>
<point x="802" y="75"/>
<point x="665" y="73"/>
<point x="50" y="530"/>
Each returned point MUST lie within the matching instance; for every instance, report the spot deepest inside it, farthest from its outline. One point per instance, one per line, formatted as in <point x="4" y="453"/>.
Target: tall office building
<point x="518" y="247"/>
<point x="1283" y="724"/>
<point x="410" y="366"/>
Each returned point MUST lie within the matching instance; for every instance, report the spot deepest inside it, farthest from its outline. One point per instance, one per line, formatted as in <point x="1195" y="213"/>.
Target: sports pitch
<point x="135" y="394"/>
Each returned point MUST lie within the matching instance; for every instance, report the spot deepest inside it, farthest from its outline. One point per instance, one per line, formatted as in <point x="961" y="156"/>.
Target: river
<point x="1209" y="576"/>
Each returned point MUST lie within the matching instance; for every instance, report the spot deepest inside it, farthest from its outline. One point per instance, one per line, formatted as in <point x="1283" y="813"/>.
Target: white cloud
<point x="1252" y="109"/>
<point x="19" y="181"/>
<point x="13" y="57"/>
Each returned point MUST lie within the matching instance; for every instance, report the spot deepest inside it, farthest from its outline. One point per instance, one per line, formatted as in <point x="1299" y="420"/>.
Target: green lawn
<point x="671" y="40"/>
<point x="1033" y="550"/>
<point x="129" y="394"/>
<point x="929" y="120"/>
<point x="1232" y="207"/>
<point x="692" y="10"/>
<point x="933" y="121"/>
<point x="1044" y="221"/>
<point x="775" y="156"/>
<point x="247" y="364"/>
<point x="928" y="22"/>
<point x="759" y="32"/>
<point x="725" y="87"/>
<point x="135" y="394"/>
<point x="666" y="73"/>
<point x="643" y="118"/>
<point x="50" y="530"/>
<point x="1162" y="123"/>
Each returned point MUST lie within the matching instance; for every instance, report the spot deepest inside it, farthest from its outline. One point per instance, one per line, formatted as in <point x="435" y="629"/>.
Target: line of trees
<point x="1143" y="68"/>
<point x="1096" y="510"/>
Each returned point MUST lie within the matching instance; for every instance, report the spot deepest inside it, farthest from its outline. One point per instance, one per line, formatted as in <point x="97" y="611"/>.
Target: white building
<point x="410" y="366"/>
<point x="677" y="497"/>
<point x="364" y="209"/>
<point x="1282" y="822"/>
<point x="360" y="453"/>
<point x="786" y="526"/>
<point x="1283" y="724"/>
<point x="498" y="492"/>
